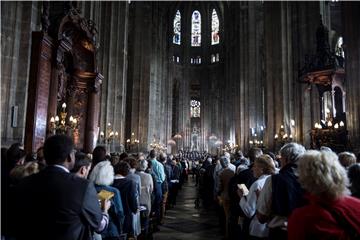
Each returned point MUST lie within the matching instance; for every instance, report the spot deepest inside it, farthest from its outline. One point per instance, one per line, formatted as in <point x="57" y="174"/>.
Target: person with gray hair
<point x="147" y="188"/>
<point x="330" y="213"/>
<point x="102" y="176"/>
<point x="347" y="159"/>
<point x="281" y="193"/>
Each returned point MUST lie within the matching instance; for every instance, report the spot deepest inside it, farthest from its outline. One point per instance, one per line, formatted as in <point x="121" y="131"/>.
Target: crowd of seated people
<point x="296" y="194"/>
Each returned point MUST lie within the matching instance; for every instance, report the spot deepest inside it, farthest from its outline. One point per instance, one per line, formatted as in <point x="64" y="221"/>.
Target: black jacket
<point x="54" y="205"/>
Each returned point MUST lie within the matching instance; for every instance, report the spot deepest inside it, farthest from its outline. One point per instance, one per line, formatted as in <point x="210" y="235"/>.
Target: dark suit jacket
<point x="54" y="205"/>
<point x="128" y="192"/>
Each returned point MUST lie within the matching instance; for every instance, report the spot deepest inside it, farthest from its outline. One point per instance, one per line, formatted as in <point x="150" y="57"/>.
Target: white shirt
<point x="248" y="205"/>
<point x="62" y="167"/>
<point x="264" y="206"/>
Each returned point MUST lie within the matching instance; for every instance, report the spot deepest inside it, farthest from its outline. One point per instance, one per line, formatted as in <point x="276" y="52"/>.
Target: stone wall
<point x="18" y="20"/>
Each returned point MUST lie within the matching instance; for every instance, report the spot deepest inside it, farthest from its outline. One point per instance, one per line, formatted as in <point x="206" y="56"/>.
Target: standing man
<point x="65" y="206"/>
<point x="158" y="171"/>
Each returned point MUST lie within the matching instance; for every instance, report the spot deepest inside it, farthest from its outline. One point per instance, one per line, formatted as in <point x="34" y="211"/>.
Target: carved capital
<point x="98" y="81"/>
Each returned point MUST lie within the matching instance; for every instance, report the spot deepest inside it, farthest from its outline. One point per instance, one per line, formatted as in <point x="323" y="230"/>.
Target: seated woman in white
<point x="263" y="168"/>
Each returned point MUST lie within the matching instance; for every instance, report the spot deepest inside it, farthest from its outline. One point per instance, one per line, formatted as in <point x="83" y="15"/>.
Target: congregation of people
<point x="294" y="194"/>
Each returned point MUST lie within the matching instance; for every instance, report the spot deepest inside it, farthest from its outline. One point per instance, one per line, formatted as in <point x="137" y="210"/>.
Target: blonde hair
<point x="321" y="174"/>
<point x="266" y="163"/>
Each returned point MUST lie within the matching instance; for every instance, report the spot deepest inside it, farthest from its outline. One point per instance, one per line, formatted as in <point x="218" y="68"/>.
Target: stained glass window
<point x="215" y="39"/>
<point x="196" y="29"/>
<point x="177" y="28"/>
<point x="194" y="108"/>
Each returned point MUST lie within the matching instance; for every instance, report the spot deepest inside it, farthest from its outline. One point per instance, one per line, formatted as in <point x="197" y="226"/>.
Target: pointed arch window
<point x="177" y="28"/>
<point x="194" y="109"/>
<point x="215" y="38"/>
<point x="196" y="29"/>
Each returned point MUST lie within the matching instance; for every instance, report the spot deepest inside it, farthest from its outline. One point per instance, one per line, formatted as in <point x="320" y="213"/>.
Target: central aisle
<point x="185" y="222"/>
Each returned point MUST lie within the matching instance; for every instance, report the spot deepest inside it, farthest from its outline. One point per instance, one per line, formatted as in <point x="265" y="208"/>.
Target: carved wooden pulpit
<point x="326" y="70"/>
<point x="64" y="70"/>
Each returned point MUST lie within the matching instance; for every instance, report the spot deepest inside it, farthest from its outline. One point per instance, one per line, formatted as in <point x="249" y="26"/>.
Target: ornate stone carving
<point x="45" y="22"/>
<point x="62" y="82"/>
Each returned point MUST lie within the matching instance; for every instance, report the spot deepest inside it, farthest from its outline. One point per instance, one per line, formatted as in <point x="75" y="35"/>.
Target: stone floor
<point x="185" y="222"/>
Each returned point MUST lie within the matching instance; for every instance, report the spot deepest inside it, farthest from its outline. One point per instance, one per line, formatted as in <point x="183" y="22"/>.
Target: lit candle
<point x="282" y="126"/>
<point x="336" y="126"/>
<point x="102" y="134"/>
<point x="276" y="136"/>
<point x="116" y="134"/>
<point x="71" y="119"/>
<point x="111" y="134"/>
<point x="341" y="124"/>
<point x="329" y="124"/>
<point x="57" y="118"/>
<point x="128" y="140"/>
<point x="75" y="121"/>
<point x="285" y="136"/>
<point x="316" y="125"/>
<point x="291" y="136"/>
<point x="52" y="119"/>
<point x="251" y="142"/>
<point x="132" y="134"/>
<point x="63" y="106"/>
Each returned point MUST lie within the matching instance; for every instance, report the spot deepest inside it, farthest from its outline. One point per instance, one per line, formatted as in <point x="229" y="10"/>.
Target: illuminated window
<point x="215" y="39"/>
<point x="214" y="58"/>
<point x="339" y="51"/>
<point x="177" y="28"/>
<point x="196" y="29"/>
<point x="194" y="109"/>
<point x="196" y="60"/>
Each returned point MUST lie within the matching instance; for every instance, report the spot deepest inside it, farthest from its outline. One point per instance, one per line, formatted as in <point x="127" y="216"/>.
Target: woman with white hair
<point x="330" y="212"/>
<point x="103" y="176"/>
<point x="147" y="187"/>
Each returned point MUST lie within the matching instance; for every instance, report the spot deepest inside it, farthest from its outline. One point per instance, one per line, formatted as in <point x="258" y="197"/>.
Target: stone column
<point x="92" y="120"/>
<point x="351" y="18"/>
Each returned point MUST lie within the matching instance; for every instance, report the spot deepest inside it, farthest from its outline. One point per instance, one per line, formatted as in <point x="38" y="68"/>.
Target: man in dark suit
<point x="64" y="205"/>
<point x="128" y="192"/>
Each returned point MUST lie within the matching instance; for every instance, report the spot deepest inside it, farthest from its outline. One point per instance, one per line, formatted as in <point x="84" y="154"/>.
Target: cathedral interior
<point x="181" y="77"/>
<point x="178" y="75"/>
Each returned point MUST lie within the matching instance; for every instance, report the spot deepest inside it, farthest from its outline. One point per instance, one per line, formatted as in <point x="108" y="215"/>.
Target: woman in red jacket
<point x="331" y="213"/>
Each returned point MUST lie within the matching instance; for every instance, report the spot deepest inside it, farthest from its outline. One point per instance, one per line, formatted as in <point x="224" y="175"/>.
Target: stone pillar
<point x="289" y="26"/>
<point x="351" y="18"/>
<point x="92" y="120"/>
